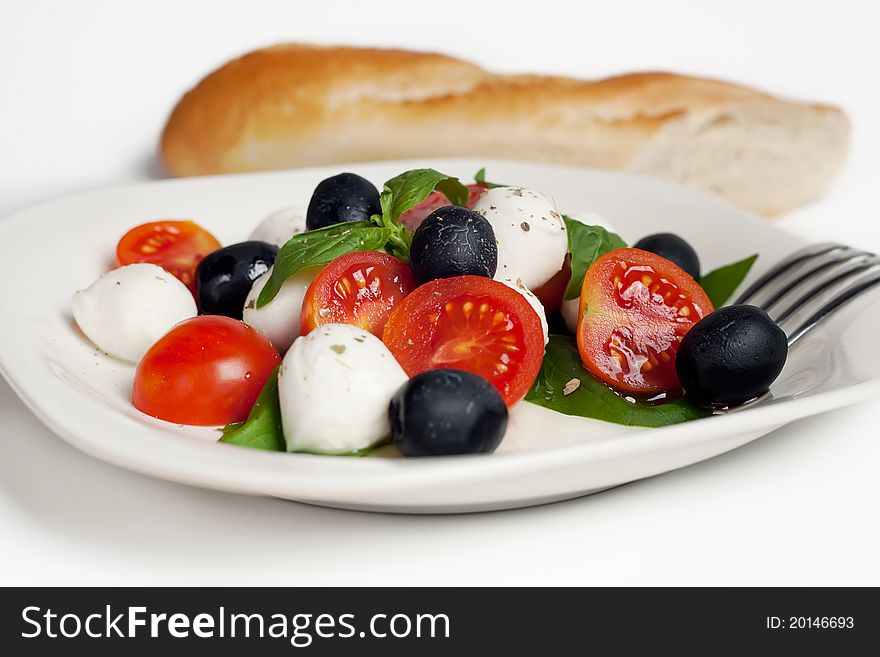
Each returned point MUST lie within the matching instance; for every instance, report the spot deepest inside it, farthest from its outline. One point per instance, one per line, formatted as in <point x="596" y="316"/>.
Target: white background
<point x="86" y="87"/>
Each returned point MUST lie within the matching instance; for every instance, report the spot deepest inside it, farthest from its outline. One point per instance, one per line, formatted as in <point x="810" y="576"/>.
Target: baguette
<point x="297" y="105"/>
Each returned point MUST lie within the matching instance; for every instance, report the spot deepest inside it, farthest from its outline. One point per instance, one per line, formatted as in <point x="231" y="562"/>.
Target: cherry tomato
<point x="414" y="216"/>
<point x="207" y="370"/>
<point x="469" y="323"/>
<point x="360" y="288"/>
<point x="176" y="246"/>
<point x="635" y="308"/>
<point x="550" y="293"/>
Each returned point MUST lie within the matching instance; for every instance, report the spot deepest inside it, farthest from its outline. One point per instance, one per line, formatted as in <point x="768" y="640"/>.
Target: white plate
<point x="48" y="252"/>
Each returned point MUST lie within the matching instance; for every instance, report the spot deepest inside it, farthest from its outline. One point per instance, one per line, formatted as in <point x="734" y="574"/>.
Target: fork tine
<point x="845" y="272"/>
<point x="844" y="296"/>
<point x="784" y="265"/>
<point x="823" y="262"/>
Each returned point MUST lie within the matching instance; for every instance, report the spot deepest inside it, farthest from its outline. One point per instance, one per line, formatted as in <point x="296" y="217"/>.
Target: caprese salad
<point x="419" y="315"/>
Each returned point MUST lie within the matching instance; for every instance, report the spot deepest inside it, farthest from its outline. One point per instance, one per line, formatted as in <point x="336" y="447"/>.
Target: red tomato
<point x="414" y="216"/>
<point x="550" y="293"/>
<point x="469" y="323"/>
<point x="207" y="370"/>
<point x="360" y="288"/>
<point x="635" y="308"/>
<point x="176" y="246"/>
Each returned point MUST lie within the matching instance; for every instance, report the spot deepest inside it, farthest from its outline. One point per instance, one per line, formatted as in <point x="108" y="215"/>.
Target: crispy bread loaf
<point x="296" y="105"/>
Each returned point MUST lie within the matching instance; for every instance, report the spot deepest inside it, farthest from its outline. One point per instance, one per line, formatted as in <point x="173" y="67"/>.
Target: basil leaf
<point x="412" y="187"/>
<point x="720" y="284"/>
<point x="262" y="429"/>
<point x="586" y="244"/>
<point x="480" y="177"/>
<point x="406" y="191"/>
<point x="562" y="370"/>
<point x="318" y="247"/>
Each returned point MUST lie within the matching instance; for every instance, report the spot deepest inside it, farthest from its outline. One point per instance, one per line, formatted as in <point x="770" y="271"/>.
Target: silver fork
<point x="839" y="270"/>
<point x="846" y="271"/>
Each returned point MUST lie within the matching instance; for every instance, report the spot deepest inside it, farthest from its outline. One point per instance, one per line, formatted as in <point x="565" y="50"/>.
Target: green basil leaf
<point x="586" y="244"/>
<point x="454" y="190"/>
<point x="563" y="372"/>
<point x="318" y="247"/>
<point x="262" y="429"/>
<point x="480" y="177"/>
<point x="410" y="188"/>
<point x="721" y="283"/>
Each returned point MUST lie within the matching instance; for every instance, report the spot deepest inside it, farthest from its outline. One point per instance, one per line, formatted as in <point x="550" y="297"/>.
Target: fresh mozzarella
<point x="530" y="232"/>
<point x="279" y="319"/>
<point x="335" y="385"/>
<point x="570" y="312"/>
<point x="127" y="309"/>
<point x="538" y="307"/>
<point x="280" y="226"/>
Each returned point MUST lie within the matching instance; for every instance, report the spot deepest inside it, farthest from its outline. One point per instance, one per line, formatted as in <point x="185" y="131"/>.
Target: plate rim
<point x="759" y="417"/>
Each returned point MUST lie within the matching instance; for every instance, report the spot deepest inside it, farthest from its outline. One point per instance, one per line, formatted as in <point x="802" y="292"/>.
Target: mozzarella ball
<point x="530" y="233"/>
<point x="334" y="386"/>
<point x="536" y="305"/>
<point x="279" y="319"/>
<point x="570" y="310"/>
<point x="128" y="309"/>
<point x="280" y="226"/>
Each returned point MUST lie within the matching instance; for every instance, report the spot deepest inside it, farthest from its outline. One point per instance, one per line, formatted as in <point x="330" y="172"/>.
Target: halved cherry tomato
<point x="469" y="323"/>
<point x="206" y="370"/>
<point x="360" y="288"/>
<point x="414" y="216"/>
<point x="635" y="308"/>
<point x="550" y="293"/>
<point x="176" y="246"/>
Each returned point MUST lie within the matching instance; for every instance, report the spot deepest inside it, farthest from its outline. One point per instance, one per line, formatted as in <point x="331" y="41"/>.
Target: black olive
<point x="441" y="412"/>
<point x="674" y="248"/>
<point x="224" y="277"/>
<point x="340" y="198"/>
<point x="731" y="356"/>
<point x="453" y="241"/>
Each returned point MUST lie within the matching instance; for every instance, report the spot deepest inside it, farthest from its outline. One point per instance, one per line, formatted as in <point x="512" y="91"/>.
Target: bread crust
<point x="284" y="90"/>
<point x="299" y="105"/>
